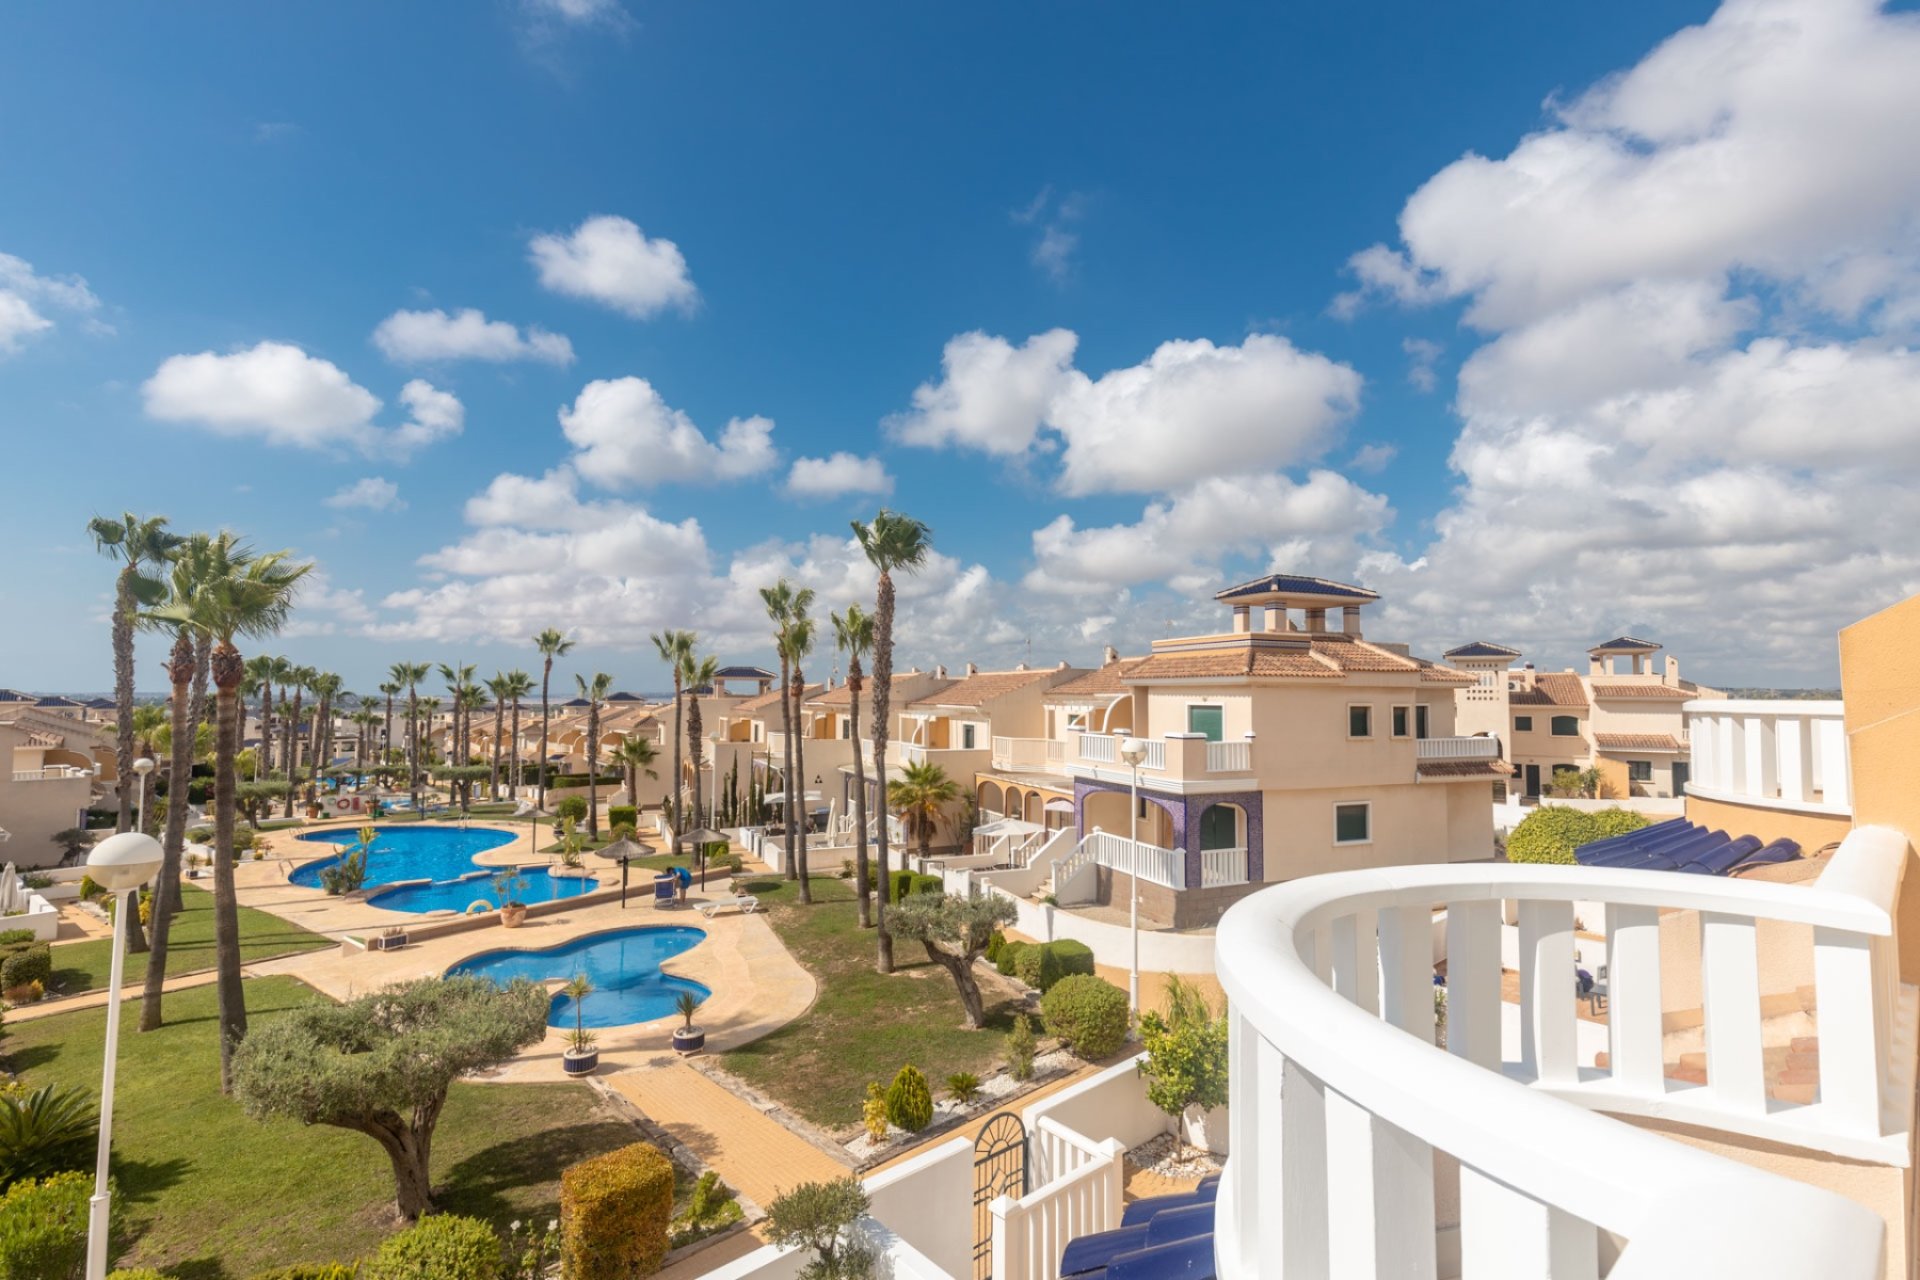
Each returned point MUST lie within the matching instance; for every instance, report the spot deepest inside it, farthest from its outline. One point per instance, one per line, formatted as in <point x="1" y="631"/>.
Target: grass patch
<point x="208" y="1194"/>
<point x="863" y="1025"/>
<point x="87" y="966"/>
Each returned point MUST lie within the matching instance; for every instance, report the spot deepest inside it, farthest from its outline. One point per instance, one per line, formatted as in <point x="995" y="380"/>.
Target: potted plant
<point x="583" y="1052"/>
<point x="688" y="1038"/>
<point x="509" y="885"/>
<point x="392" y="938"/>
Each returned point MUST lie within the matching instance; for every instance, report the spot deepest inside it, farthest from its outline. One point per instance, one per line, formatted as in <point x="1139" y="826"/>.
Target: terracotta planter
<point x="689" y="1039"/>
<point x="513" y="917"/>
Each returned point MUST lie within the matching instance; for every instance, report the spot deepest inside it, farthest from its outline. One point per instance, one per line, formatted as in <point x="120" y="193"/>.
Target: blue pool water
<point x="624" y="966"/>
<point x="443" y="855"/>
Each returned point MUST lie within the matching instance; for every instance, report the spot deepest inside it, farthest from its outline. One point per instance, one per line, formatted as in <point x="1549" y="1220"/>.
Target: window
<point x="1523" y="724"/>
<point x="966" y="737"/>
<point x="1360" y="721"/>
<point x="846" y="726"/>
<point x="1077" y="720"/>
<point x="1353" y="823"/>
<point x="1566" y="726"/>
<point x="1219" y="828"/>
<point x="1420" y="722"/>
<point x="1399" y="722"/>
<point x="1640" y="771"/>
<point x="1209" y="722"/>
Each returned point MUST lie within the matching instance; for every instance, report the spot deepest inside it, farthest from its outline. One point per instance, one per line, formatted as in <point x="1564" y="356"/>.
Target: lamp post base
<point x="97" y="1237"/>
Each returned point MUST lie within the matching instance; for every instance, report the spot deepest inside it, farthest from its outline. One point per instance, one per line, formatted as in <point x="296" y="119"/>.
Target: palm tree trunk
<point x="263" y="759"/>
<point x="546" y="722"/>
<point x="800" y="775"/>
<point x="499" y="722"/>
<point x="413" y="747"/>
<point x="226" y="904"/>
<point x="593" y="772"/>
<point x="694" y="749"/>
<point x="180" y="667"/>
<point x="882" y="705"/>
<point x="862" y="874"/>
<point x="679" y="779"/>
<point x="386" y="732"/>
<point x="123" y="693"/>
<point x="292" y="744"/>
<point x="519" y="763"/>
<point x="786" y="761"/>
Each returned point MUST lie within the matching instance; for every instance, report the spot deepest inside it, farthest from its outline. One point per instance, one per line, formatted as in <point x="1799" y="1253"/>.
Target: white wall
<point x="1160" y="952"/>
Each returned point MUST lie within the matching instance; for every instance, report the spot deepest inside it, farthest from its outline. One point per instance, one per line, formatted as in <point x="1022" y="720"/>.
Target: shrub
<point x="1074" y="957"/>
<point x="571" y="809"/>
<point x="46" y="1131"/>
<point x="1186" y="1062"/>
<point x="964" y="1086"/>
<point x="1552" y="832"/>
<point x="902" y="883"/>
<point x="444" y="1246"/>
<point x="623" y="815"/>
<point x="135" y="1273"/>
<point x="89" y="890"/>
<point x="909" y="1100"/>
<point x="43" y="1227"/>
<point x="1009" y="959"/>
<point x="311" y="1271"/>
<point x="928" y="884"/>
<point x="711" y="1208"/>
<point x="816" y="1216"/>
<point x="995" y="945"/>
<point x="873" y="1112"/>
<point x="614" y="1214"/>
<point x="13" y="937"/>
<point x="1088" y="1014"/>
<point x="1020" y="1048"/>
<point x="1026" y="965"/>
<point x="21" y="965"/>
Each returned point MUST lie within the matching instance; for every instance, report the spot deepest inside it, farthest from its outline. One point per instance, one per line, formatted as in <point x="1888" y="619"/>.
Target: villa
<point x="1622" y="717"/>
<point x="57" y="769"/>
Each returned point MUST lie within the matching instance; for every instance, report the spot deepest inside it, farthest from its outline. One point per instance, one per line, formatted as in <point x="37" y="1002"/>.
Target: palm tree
<point x="389" y="687"/>
<point x="326" y="687"/>
<point x="301" y="678"/>
<point x="408" y="675"/>
<point x="799" y="643"/>
<point x="778" y="599"/>
<point x="459" y="678"/>
<point x="892" y="541"/>
<point x="853" y="636"/>
<point x="675" y="648"/>
<point x="636" y="755"/>
<point x="148" y="721"/>
<point x="595" y="691"/>
<point x="696" y="674"/>
<point x="136" y="545"/>
<point x="499" y="687"/>
<point x="262" y="670"/>
<point x="251" y="596"/>
<point x="473" y="698"/>
<point x="921" y="794"/>
<point x="518" y="685"/>
<point x="551" y="644"/>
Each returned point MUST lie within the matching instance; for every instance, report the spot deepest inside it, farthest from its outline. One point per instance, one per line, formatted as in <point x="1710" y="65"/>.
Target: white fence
<point x="1148" y="862"/>
<point x="1222" y="867"/>
<point x="54" y="773"/>
<point x="1340" y="1100"/>
<point x="1230" y="757"/>
<point x="1774" y="752"/>
<point x="1475" y="748"/>
<point x="1036" y="755"/>
<point x="1029" y="1234"/>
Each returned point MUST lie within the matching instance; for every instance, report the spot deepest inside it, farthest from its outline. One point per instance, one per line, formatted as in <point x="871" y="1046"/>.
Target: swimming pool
<point x="624" y="966"/>
<point x="442" y="855"/>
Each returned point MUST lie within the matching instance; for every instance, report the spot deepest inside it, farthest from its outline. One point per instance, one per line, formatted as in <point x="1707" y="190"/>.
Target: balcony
<point x="1177" y="758"/>
<point x="1774" y="753"/>
<point x="1029" y="755"/>
<point x="1342" y="1104"/>
<point x="1478" y="748"/>
<point x="53" y="773"/>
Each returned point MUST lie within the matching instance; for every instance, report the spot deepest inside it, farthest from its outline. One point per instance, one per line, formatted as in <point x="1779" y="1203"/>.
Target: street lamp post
<point x="121" y="865"/>
<point x="142" y="767"/>
<point x="1133" y="751"/>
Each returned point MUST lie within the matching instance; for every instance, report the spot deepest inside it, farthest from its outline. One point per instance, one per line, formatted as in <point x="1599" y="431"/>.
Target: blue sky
<point x="801" y="208"/>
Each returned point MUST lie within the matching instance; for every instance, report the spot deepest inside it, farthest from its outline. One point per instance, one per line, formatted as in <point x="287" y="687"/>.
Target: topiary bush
<point x="1041" y="965"/>
<point x="1007" y="962"/>
<point x="22" y="963"/>
<point x="1074" y="957"/>
<point x="1088" y="1014"/>
<point x="615" y="1210"/>
<point x="444" y="1246"/>
<point x="623" y="815"/>
<point x="995" y="945"/>
<point x="1552" y="832"/>
<point x="900" y="884"/>
<point x="928" y="884"/>
<point x="43" y="1227"/>
<point x="909" y="1100"/>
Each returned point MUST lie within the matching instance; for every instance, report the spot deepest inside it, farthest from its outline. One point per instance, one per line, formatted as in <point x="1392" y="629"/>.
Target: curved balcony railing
<point x="1349" y="1125"/>
<point x="1777" y="753"/>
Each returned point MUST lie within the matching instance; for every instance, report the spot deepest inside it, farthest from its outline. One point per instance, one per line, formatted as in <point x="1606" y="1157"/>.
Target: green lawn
<point x="863" y="1025"/>
<point x="84" y="966"/>
<point x="207" y="1194"/>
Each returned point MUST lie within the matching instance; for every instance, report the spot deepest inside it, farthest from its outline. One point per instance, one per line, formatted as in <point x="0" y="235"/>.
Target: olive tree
<point x="955" y="931"/>
<point x="381" y="1064"/>
<point x="1186" y="1060"/>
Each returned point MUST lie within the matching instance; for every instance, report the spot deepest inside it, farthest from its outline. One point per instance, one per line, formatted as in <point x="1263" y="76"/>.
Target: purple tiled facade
<point x="1186" y="811"/>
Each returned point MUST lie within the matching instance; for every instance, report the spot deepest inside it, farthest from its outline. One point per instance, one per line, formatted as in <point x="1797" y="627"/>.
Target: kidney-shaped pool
<point x="624" y="966"/>
<point x="444" y="858"/>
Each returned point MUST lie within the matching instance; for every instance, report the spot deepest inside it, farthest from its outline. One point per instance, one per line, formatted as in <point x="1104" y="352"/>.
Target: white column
<point x="1406" y="969"/>
<point x="1473" y="982"/>
<point x="1633" y="999"/>
<point x="1380" y="1189"/>
<point x="1730" y="749"/>
<point x="1794" y="762"/>
<point x="1836" y="779"/>
<point x="1851" y="1048"/>
<point x="1547" y="1046"/>
<point x="1758" y="770"/>
<point x="1356" y="972"/>
<point x="1507" y="1235"/>
<point x="1700" y="750"/>
<point x="1730" y="993"/>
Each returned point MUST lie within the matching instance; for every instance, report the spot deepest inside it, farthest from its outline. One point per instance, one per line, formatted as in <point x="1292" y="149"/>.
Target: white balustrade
<point x="1083" y="1196"/>
<point x="1136" y="858"/>
<point x="1778" y="753"/>
<point x="1030" y="754"/>
<point x="53" y="773"/>
<point x="1230" y="757"/>
<point x="1222" y="867"/>
<point x="1098" y="748"/>
<point x="1337" y="1110"/>
<point x="1474" y="748"/>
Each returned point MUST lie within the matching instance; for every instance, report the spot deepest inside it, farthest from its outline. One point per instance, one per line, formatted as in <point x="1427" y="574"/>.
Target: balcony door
<point x="1209" y="722"/>
<point x="1220" y="828"/>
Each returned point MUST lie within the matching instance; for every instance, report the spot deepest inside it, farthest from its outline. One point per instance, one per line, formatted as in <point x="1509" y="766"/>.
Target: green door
<point x="1217" y="828"/>
<point x="1210" y="721"/>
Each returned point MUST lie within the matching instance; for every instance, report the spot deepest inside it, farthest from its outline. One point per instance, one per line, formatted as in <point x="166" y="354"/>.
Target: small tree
<point x="1186" y="1062"/>
<point x="817" y="1216"/>
<point x="381" y="1064"/>
<point x="955" y="931"/>
<point x="74" y="843"/>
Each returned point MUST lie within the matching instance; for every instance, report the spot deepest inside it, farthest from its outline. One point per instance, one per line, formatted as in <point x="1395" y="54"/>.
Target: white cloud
<point x="1053" y="251"/>
<point x="277" y="393"/>
<point x="992" y="396"/>
<point x="832" y="477"/>
<point x="626" y="435"/>
<point x="609" y="260"/>
<point x="323" y="609"/>
<point x="24" y="293"/>
<point x="374" y="493"/>
<point x="1422" y="354"/>
<point x="580" y="11"/>
<point x="421" y="337"/>
<point x="1372" y="457"/>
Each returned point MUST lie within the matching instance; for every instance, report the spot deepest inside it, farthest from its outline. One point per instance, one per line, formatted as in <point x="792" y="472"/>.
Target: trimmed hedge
<point x="615" y="1210"/>
<point x="909" y="1100"/>
<point x="444" y="1246"/>
<point x="1088" y="1014"/>
<point x="1009" y="958"/>
<point x="1552" y="832"/>
<point x="22" y="963"/>
<point x="43" y="1227"/>
<point x="929" y="884"/>
<point x="623" y="815"/>
<point x="1042" y="965"/>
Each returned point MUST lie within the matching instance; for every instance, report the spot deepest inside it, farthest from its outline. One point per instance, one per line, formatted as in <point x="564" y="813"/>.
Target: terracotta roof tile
<point x="1552" y="689"/>
<point x="1110" y="679"/>
<point x="1635" y="742"/>
<point x="1465" y="769"/>
<point x="1435" y="673"/>
<point x="1624" y="690"/>
<point x="978" y="690"/>
<point x="1349" y="654"/>
<point x="1214" y="664"/>
<point x="769" y="701"/>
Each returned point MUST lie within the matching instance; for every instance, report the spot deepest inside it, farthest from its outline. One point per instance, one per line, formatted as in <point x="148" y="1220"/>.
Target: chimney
<point x="1022" y="667"/>
<point x="1061" y="665"/>
<point x="1527" y="677"/>
<point x="1109" y="656"/>
<point x="940" y="672"/>
<point x="973" y="668"/>
<point x="1673" y="671"/>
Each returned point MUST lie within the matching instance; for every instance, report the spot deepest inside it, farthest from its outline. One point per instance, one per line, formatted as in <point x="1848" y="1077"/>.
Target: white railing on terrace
<point x="1030" y="754"/>
<point x="53" y="773"/>
<point x="1340" y="1098"/>
<point x="1773" y="752"/>
<point x="1104" y="748"/>
<point x="1080" y="1195"/>
<point x="1477" y="748"/>
<point x="1222" y="867"/>
<point x="1148" y="862"/>
<point x="1230" y="757"/>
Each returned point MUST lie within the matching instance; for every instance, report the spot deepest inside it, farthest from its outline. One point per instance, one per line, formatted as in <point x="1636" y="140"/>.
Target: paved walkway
<point x="752" y="1153"/>
<point x="130" y="993"/>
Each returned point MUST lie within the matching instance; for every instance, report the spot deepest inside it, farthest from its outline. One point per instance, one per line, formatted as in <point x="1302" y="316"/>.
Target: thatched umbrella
<point x="622" y="851"/>
<point x="700" y="838"/>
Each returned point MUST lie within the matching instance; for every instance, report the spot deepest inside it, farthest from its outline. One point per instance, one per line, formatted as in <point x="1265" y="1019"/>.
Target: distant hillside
<point x="1792" y="695"/>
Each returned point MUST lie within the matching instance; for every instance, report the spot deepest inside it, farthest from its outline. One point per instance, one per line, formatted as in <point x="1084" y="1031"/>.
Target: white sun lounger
<point x="746" y="904"/>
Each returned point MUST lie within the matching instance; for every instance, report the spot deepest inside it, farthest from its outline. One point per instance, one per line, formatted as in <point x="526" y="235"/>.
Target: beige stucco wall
<point x="1423" y="822"/>
<point x="1812" y="831"/>
<point x="32" y="811"/>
